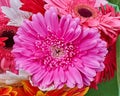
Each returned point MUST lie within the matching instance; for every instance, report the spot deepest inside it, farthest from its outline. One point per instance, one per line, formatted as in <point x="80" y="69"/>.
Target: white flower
<point x="99" y="2"/>
<point x="13" y="12"/>
<point x="10" y="78"/>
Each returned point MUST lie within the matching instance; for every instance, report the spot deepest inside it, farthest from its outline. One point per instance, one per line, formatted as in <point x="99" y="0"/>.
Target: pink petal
<point x="51" y="17"/>
<point x="64" y="24"/>
<point x="39" y="76"/>
<point x="48" y="78"/>
<point x="90" y="63"/>
<point x="70" y="78"/>
<point x="56" y="78"/>
<point x="62" y="75"/>
<point x="77" y="76"/>
<point x="87" y="71"/>
<point x="37" y="25"/>
<point x="69" y="84"/>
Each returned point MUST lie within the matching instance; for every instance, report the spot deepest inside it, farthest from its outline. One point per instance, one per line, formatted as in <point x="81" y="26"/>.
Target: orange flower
<point x="23" y="89"/>
<point x="65" y="92"/>
<point x="7" y="91"/>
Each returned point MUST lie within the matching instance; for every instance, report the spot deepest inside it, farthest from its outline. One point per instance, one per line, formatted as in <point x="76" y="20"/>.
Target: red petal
<point x="33" y="6"/>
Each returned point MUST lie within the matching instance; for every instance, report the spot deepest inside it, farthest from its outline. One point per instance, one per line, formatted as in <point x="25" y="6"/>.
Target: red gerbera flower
<point x="109" y="34"/>
<point x="2" y="39"/>
<point x="6" y="43"/>
<point x="33" y="6"/>
<point x="6" y="58"/>
<point x="110" y="60"/>
<point x="110" y="67"/>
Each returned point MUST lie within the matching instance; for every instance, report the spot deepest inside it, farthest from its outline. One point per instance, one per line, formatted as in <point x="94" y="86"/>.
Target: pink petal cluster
<point x="58" y="52"/>
<point x="5" y="3"/>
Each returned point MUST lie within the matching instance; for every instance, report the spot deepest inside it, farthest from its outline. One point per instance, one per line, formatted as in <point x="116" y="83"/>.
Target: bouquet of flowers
<point x="56" y="47"/>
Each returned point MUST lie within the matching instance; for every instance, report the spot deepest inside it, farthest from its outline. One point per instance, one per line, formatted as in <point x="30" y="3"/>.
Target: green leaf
<point x="108" y="88"/>
<point x="118" y="63"/>
<point x="115" y="6"/>
<point x="116" y="2"/>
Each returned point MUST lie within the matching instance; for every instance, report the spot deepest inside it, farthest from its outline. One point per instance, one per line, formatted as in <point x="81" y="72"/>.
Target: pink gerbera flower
<point x="56" y="52"/>
<point x="84" y="9"/>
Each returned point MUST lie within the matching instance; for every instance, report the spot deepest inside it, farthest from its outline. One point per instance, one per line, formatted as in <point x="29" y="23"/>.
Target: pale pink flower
<point x="58" y="52"/>
<point x="84" y="9"/>
<point x="108" y="23"/>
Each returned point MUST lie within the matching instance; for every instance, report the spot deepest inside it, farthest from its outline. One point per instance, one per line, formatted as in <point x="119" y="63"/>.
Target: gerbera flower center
<point x="56" y="52"/>
<point x="85" y="11"/>
<point x="9" y="34"/>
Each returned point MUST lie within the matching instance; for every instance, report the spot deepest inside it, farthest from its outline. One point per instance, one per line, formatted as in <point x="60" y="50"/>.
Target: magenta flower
<point x="58" y="52"/>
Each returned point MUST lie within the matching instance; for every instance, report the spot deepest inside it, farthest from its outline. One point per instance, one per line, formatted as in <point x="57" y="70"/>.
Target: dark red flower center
<point x="85" y="12"/>
<point x="9" y="34"/>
